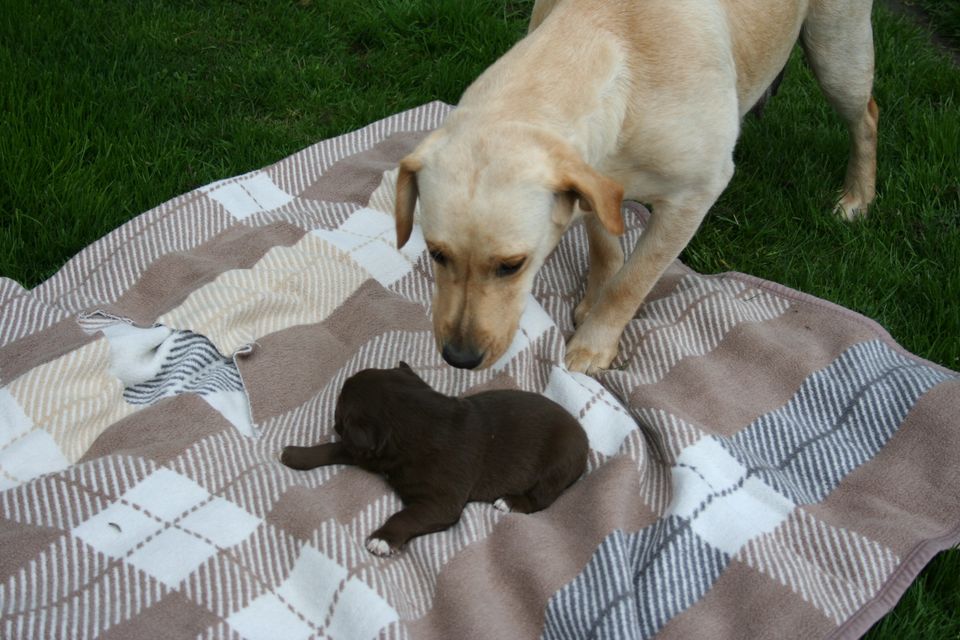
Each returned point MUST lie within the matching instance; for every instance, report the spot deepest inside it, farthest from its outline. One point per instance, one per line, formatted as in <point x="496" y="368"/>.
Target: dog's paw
<point x="588" y="360"/>
<point x="501" y="505"/>
<point x="381" y="548"/>
<point x="851" y="208"/>
<point x="592" y="348"/>
<point x="582" y="310"/>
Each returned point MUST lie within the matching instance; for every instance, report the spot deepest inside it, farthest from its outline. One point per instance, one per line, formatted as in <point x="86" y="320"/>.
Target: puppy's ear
<point x="403" y="366"/>
<point x="407" y="193"/>
<point x="596" y="192"/>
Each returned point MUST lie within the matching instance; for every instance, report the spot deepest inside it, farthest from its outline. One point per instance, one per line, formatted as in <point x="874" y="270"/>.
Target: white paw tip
<point x="501" y="504"/>
<point x="379" y="547"/>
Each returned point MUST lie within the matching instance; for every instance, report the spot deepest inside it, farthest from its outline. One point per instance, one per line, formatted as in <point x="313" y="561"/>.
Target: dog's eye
<point x="439" y="257"/>
<point x="505" y="269"/>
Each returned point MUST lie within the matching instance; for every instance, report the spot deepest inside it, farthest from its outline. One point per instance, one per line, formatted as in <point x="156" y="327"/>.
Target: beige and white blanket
<point x="763" y="463"/>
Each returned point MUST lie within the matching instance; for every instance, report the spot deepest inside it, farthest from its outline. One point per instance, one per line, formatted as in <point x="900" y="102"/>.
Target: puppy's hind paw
<point x="501" y="505"/>
<point x="380" y="548"/>
<point x="292" y="457"/>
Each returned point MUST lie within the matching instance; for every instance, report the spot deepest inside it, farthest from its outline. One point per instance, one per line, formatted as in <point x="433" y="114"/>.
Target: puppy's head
<point x="494" y="203"/>
<point x="363" y="418"/>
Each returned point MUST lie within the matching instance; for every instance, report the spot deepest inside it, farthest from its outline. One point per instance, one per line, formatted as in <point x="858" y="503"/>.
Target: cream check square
<point x="221" y="522"/>
<point x="369" y="236"/>
<point x="28" y="457"/>
<point x="166" y="494"/>
<point x="13" y="421"/>
<point x="167" y="525"/>
<point x="727" y="506"/>
<point x="250" y="194"/>
<point x="171" y="556"/>
<point x="605" y="425"/>
<point x="117" y="530"/>
<point x="269" y="618"/>
<point x="317" y="588"/>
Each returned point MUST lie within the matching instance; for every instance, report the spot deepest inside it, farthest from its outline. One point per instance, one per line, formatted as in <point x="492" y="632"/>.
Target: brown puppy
<point x="516" y="449"/>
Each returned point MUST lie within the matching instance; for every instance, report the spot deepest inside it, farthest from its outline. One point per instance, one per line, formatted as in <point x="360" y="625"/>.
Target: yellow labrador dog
<point x="606" y="99"/>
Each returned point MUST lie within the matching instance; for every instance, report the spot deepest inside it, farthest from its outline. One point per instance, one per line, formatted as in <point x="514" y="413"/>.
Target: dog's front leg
<point x="606" y="258"/>
<point x="673" y="223"/>
<point x="413" y="520"/>
<point x="541" y="9"/>
<point x="321" y="455"/>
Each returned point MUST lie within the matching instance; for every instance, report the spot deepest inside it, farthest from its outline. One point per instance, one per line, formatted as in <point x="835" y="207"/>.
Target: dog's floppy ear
<point x="406" y="197"/>
<point x="407" y="187"/>
<point x="596" y="192"/>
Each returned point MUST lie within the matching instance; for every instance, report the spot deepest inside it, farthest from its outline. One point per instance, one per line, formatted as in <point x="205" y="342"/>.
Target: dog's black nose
<point x="461" y="357"/>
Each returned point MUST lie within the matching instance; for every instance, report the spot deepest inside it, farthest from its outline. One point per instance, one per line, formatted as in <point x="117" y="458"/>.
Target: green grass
<point x="944" y="17"/>
<point x="111" y="107"/>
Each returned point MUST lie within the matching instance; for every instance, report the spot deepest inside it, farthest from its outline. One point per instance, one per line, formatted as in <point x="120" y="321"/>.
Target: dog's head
<point x="364" y="418"/>
<point x="493" y="205"/>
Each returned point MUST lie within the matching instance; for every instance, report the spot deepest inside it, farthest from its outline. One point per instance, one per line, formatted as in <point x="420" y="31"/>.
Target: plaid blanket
<point x="763" y="463"/>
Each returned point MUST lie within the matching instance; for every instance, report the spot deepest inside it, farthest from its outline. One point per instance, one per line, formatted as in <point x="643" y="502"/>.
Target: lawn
<point x="110" y="108"/>
<point x="944" y="18"/>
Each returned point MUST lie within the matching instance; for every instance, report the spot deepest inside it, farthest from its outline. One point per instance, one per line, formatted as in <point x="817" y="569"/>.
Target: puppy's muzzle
<point x="461" y="356"/>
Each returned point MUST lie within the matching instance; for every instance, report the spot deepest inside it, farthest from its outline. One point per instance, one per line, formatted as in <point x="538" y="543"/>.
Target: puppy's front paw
<point x="501" y="505"/>
<point x="381" y="548"/>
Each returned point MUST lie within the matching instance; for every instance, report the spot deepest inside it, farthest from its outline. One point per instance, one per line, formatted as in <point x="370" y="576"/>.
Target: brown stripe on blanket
<point x="498" y="587"/>
<point x="22" y="543"/>
<point x="158" y="431"/>
<point x="301" y="510"/>
<point x="771" y="359"/>
<point x="898" y="496"/>
<point x="745" y="604"/>
<point x="173" y="618"/>
<point x="287" y="367"/>
<point x="41" y="347"/>
<point x="356" y="177"/>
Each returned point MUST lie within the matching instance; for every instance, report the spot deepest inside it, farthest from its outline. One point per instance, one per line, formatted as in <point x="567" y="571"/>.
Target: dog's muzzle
<point x="462" y="357"/>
